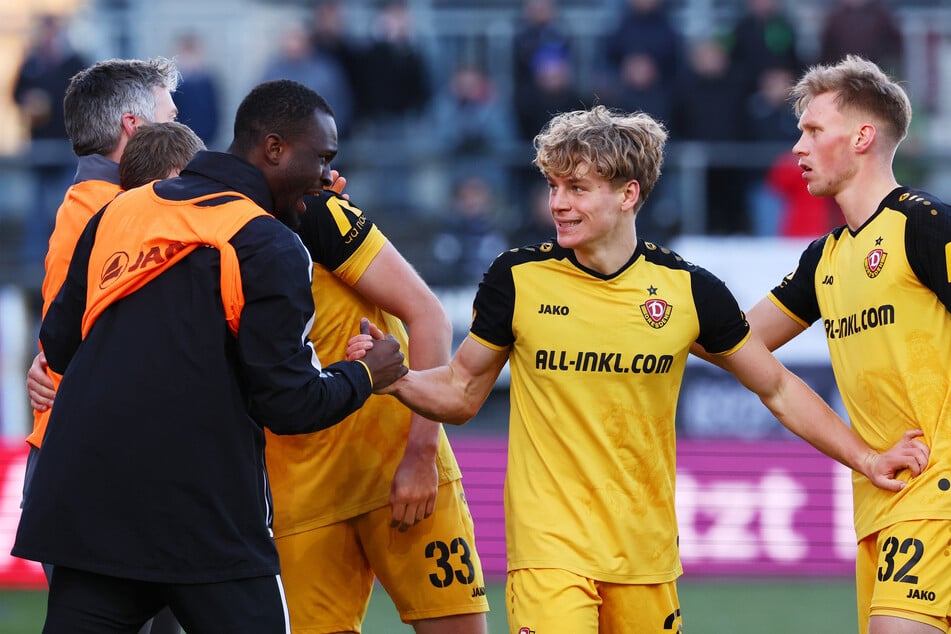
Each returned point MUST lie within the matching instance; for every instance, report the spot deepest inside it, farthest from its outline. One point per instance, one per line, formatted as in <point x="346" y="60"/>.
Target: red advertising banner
<point x="14" y="573"/>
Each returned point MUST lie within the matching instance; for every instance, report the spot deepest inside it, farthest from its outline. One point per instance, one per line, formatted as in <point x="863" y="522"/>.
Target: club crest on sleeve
<point x="874" y="262"/>
<point x="656" y="312"/>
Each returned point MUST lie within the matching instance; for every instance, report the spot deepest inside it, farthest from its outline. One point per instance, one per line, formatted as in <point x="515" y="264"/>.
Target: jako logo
<point x="526" y="630"/>
<point x="118" y="262"/>
<point x="552" y="309"/>
<point x="114" y="267"/>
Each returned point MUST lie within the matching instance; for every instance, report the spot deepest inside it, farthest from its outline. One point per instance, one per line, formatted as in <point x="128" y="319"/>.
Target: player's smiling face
<point x="586" y="209"/>
<point x="304" y="167"/>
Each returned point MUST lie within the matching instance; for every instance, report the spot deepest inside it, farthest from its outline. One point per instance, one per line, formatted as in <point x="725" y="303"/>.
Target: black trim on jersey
<point x="797" y="291"/>
<point x="927" y="234"/>
<point x="722" y="323"/>
<point x="319" y="232"/>
<point x="493" y="302"/>
<point x="638" y="250"/>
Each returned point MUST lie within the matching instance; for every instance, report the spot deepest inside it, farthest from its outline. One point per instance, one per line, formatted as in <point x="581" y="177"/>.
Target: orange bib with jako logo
<point x="140" y="235"/>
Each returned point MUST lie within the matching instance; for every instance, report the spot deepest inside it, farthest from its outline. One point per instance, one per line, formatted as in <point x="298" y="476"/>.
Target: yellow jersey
<point x="884" y="294"/>
<point x="596" y="368"/>
<point x="346" y="470"/>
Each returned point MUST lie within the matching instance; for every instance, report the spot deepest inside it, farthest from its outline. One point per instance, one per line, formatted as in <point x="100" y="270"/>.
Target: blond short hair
<point x="860" y="86"/>
<point x="619" y="146"/>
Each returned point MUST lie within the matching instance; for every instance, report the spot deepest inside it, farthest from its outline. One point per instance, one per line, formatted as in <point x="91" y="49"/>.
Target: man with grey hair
<point x="104" y="106"/>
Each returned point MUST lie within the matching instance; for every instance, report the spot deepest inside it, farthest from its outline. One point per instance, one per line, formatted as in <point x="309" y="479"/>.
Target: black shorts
<point x="81" y="602"/>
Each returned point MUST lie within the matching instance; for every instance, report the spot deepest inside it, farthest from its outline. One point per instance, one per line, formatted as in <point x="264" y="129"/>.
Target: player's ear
<point x="274" y="148"/>
<point x="631" y="194"/>
<point x="864" y="137"/>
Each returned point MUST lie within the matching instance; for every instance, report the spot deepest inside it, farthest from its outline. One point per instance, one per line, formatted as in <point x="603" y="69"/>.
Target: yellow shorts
<point x="905" y="571"/>
<point x="432" y="570"/>
<point x="553" y="601"/>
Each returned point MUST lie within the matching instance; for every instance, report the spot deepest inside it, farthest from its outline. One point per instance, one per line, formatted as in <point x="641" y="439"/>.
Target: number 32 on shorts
<point x="900" y="558"/>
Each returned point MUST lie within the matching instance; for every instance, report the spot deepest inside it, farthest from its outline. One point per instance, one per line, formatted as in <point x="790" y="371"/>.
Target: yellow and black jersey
<point x="596" y="363"/>
<point x="884" y="294"/>
<point x="318" y="479"/>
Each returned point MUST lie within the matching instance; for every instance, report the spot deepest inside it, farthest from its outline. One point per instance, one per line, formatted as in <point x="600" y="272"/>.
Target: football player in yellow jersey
<point x="881" y="285"/>
<point x="381" y="498"/>
<point x="596" y="328"/>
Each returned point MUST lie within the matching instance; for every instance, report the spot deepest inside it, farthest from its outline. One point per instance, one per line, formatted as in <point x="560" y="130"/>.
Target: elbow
<point x="460" y="418"/>
<point x="465" y="412"/>
<point x="430" y="317"/>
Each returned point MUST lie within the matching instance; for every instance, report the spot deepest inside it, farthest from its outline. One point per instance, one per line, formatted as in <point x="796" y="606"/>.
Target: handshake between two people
<point x="381" y="353"/>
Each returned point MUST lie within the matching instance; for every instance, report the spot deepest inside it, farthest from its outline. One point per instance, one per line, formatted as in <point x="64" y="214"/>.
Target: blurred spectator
<point x="39" y="89"/>
<point x="329" y="36"/>
<point x="197" y="93"/>
<point x="645" y="27"/>
<point x="862" y="27"/>
<point x="470" y="118"/>
<point x="470" y="238"/>
<point x="537" y="224"/>
<point x="708" y="106"/>
<point x="764" y="38"/>
<point x="296" y="59"/>
<point x="769" y="118"/>
<point x="553" y="90"/>
<point x="472" y="124"/>
<point x="394" y="75"/>
<point x="769" y="114"/>
<point x="800" y="213"/>
<point x="639" y="87"/>
<point x="536" y="33"/>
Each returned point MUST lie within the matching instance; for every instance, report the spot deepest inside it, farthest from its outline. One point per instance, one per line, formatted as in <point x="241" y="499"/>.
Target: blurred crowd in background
<point x="437" y="103"/>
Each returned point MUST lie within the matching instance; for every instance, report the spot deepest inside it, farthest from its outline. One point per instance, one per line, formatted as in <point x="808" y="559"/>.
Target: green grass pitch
<point x="725" y="606"/>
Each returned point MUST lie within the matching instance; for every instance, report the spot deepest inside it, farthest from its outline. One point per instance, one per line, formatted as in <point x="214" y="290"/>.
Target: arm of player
<point x="454" y="393"/>
<point x="772" y="325"/>
<point x="393" y="285"/>
<point x="451" y="393"/>
<point x="804" y="413"/>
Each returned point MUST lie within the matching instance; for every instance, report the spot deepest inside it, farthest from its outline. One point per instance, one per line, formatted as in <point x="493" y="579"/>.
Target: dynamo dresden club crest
<point x="656" y="312"/>
<point x="874" y="262"/>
